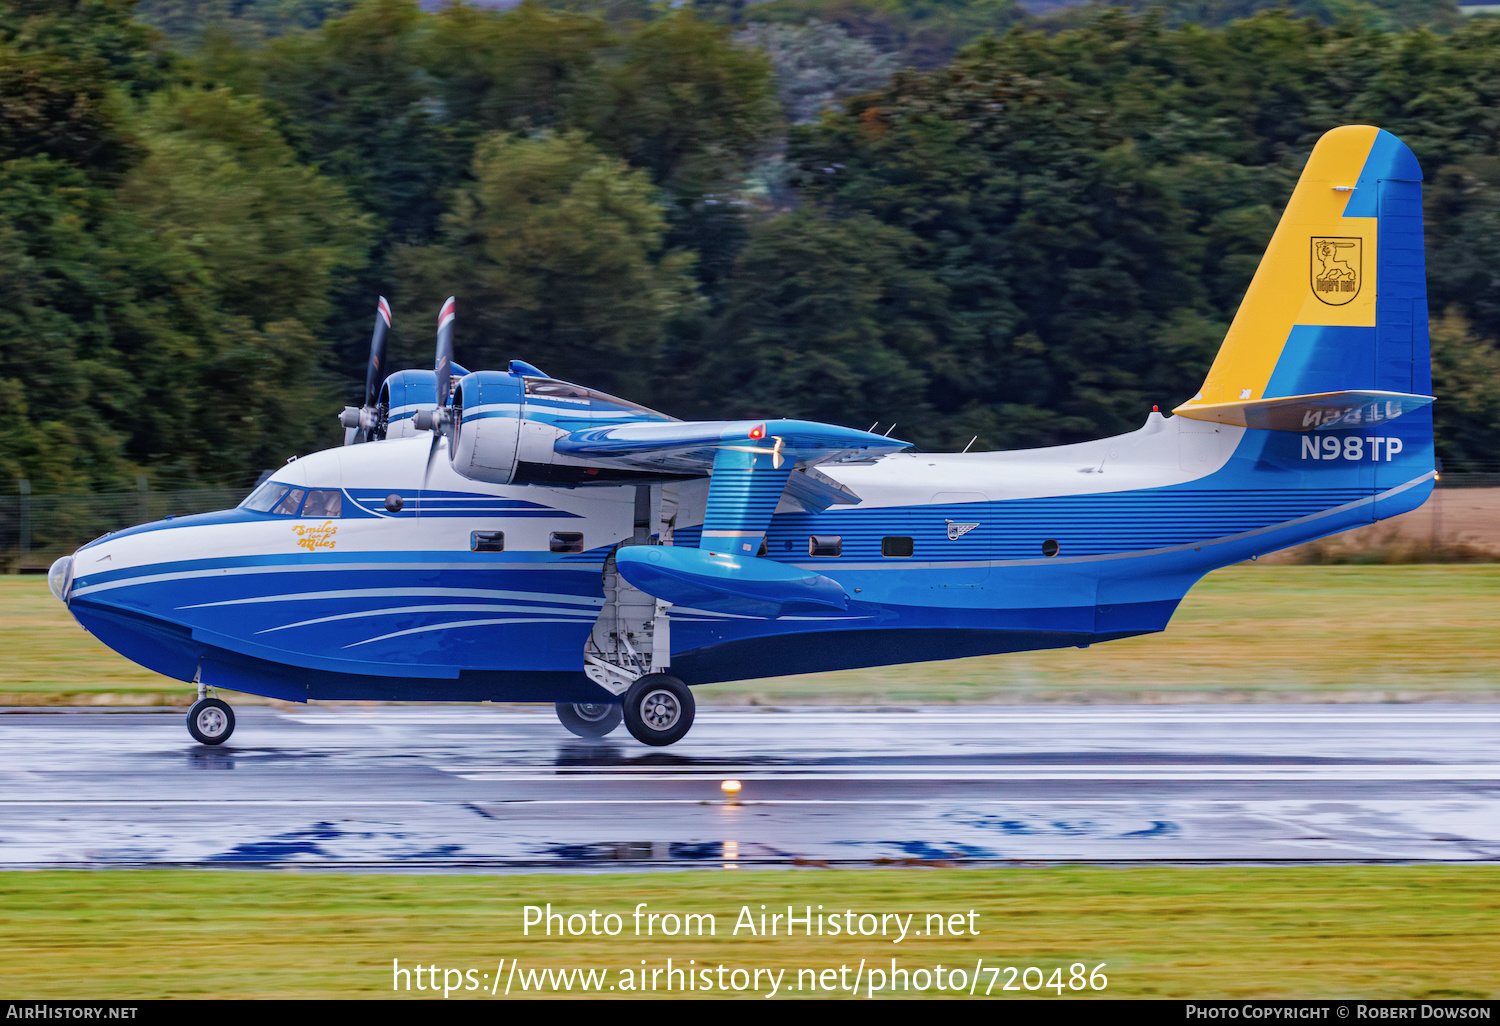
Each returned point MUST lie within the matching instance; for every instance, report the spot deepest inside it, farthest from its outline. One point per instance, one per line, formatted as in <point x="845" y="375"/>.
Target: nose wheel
<point x="589" y="719"/>
<point x="658" y="709"/>
<point x="210" y="721"/>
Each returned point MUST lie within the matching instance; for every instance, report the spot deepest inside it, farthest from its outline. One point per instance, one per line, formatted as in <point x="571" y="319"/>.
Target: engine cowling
<point x="487" y="410"/>
<point x="402" y="395"/>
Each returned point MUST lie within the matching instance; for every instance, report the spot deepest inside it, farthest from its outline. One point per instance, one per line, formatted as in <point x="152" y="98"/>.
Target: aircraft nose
<point x="60" y="578"/>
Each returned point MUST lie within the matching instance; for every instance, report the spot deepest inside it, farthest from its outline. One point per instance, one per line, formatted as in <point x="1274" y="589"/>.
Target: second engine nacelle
<point x="487" y="407"/>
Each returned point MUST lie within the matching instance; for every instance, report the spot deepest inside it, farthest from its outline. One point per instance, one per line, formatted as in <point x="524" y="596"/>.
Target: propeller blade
<point x="437" y="437"/>
<point x="373" y="373"/>
<point x="444" y="362"/>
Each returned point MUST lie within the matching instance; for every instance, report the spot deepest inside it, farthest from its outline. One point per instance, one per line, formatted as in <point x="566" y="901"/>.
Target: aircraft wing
<point x="693" y="447"/>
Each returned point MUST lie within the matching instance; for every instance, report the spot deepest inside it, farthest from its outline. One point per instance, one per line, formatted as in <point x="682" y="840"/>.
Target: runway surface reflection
<point x="451" y="787"/>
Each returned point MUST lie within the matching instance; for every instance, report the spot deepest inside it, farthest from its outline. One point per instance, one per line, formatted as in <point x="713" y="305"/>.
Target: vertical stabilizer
<point x="1339" y="302"/>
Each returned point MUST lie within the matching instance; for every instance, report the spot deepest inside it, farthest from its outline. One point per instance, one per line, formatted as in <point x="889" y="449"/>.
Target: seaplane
<point x="507" y="536"/>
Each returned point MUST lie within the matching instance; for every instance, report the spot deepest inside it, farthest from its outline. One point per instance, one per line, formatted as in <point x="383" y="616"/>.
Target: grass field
<point x="1190" y="932"/>
<point x="1247" y="633"/>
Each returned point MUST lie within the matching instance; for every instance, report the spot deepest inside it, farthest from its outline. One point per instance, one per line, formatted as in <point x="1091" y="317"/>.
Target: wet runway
<point x="453" y="787"/>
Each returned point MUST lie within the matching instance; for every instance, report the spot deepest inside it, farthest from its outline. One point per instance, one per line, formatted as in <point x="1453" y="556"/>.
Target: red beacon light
<point x="758" y="432"/>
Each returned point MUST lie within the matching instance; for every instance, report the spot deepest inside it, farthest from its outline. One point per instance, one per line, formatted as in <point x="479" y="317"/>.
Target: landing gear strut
<point x="589" y="719"/>
<point x="658" y="709"/>
<point x="210" y="721"/>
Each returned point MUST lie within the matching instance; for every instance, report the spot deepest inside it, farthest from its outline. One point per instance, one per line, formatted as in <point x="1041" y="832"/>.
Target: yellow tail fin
<point x="1339" y="300"/>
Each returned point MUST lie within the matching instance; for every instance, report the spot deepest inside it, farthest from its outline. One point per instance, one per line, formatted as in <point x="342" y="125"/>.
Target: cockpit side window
<point x="323" y="502"/>
<point x="264" y="498"/>
<point x="287" y="507"/>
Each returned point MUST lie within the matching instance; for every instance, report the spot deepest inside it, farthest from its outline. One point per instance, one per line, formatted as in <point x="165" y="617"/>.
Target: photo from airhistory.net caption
<point x="1418" y="937"/>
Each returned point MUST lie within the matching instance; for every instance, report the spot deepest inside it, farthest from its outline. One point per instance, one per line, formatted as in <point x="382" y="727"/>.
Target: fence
<point x="36" y="529"/>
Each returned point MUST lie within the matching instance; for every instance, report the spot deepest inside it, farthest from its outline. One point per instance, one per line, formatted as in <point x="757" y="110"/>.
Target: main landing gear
<point x="210" y="721"/>
<point x="589" y="719"/>
<point x="657" y="710"/>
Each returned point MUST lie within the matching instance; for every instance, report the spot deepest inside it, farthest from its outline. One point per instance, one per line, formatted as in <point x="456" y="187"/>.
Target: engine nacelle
<point x="402" y="395"/>
<point x="487" y="408"/>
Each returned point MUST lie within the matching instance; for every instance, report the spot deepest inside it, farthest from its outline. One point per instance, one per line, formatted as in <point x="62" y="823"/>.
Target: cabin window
<point x="324" y="502"/>
<point x="487" y="541"/>
<point x="896" y="547"/>
<point x="264" y="498"/>
<point x="565" y="541"/>
<point x="825" y="545"/>
<point x="289" y="503"/>
<point x="1050" y="547"/>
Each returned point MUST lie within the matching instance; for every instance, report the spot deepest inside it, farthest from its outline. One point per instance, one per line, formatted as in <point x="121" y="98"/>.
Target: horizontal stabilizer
<point x="747" y="586"/>
<point x="1321" y="411"/>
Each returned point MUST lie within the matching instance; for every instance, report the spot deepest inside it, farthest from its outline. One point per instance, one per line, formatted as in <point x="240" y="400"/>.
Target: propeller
<point x="360" y="422"/>
<point x="440" y="420"/>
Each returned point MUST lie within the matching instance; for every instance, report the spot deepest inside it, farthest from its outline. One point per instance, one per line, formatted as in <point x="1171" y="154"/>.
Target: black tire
<point x="210" y="721"/>
<point x="589" y="719"/>
<point x="658" y="709"/>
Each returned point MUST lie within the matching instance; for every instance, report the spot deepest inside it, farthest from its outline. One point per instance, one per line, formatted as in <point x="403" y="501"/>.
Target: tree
<point x="524" y="70"/>
<point x="693" y="111"/>
<point x="817" y="65"/>
<point x="825" y="319"/>
<point x="258" y="245"/>
<point x="184" y="21"/>
<point x="555" y="252"/>
<point x="355" y="101"/>
<point x="922" y="33"/>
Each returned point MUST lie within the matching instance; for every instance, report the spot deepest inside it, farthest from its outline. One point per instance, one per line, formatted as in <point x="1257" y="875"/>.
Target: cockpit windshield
<point x="264" y="498"/>
<point x="284" y="500"/>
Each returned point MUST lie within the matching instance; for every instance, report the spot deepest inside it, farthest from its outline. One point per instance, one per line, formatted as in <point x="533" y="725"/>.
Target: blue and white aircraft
<point x="505" y="536"/>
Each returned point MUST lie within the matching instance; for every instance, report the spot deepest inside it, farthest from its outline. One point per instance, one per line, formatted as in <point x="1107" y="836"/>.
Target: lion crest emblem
<point x="1336" y="268"/>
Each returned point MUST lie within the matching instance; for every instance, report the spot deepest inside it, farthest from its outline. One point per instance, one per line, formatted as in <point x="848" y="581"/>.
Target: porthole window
<point x="825" y="545"/>
<point x="896" y="547"/>
<point x="1050" y="547"/>
<point x="565" y="541"/>
<point x="487" y="541"/>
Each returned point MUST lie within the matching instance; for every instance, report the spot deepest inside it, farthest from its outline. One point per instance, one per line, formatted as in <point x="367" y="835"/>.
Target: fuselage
<point x="465" y="590"/>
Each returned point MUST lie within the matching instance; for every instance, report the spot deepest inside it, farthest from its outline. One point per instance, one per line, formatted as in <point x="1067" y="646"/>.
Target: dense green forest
<point x="953" y="216"/>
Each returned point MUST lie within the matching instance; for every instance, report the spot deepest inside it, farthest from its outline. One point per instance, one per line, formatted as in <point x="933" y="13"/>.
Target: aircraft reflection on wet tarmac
<point x="484" y="788"/>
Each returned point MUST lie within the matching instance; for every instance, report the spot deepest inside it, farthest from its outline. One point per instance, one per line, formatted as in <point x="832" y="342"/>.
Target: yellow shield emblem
<point x="1336" y="268"/>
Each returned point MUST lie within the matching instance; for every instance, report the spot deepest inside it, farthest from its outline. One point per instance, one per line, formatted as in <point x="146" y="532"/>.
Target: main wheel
<point x="658" y="709"/>
<point x="210" y="721"/>
<point x="589" y="719"/>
